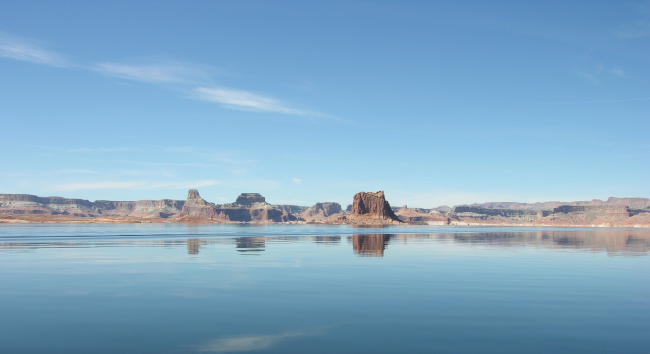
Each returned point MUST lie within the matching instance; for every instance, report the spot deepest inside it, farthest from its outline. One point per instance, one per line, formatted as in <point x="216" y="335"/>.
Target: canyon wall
<point x="31" y="204"/>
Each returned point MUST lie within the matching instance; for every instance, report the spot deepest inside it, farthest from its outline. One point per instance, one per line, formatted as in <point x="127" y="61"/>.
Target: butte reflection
<point x="250" y="245"/>
<point x="193" y="245"/>
<point x="370" y="245"/>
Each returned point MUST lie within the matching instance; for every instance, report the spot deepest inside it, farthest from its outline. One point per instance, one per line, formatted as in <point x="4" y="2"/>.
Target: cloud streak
<point x="156" y="71"/>
<point x="638" y="30"/>
<point x="135" y="185"/>
<point x="29" y="50"/>
<point x="177" y="75"/>
<point x="246" y="101"/>
<point x="603" y="101"/>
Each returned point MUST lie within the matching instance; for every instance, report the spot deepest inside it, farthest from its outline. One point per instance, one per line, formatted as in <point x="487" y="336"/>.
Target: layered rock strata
<point x="370" y="208"/>
<point x="31" y="204"/>
<point x="633" y="203"/>
<point x="323" y="211"/>
<point x="428" y="216"/>
<point x="253" y="209"/>
<point x="563" y="215"/>
<point x="250" y="199"/>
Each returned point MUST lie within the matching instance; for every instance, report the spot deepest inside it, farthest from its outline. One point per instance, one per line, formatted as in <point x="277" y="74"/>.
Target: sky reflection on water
<point x="79" y="289"/>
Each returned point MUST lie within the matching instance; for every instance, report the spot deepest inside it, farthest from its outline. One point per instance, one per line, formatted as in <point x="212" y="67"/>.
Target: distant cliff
<point x="563" y="215"/>
<point x="249" y="207"/>
<point x="634" y="203"/>
<point x="31" y="204"/>
<point x="367" y="208"/>
<point x="322" y="211"/>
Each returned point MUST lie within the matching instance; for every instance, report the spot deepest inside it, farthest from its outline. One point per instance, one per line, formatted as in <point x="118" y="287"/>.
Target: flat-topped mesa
<point x="250" y="199"/>
<point x="250" y="207"/>
<point x="372" y="206"/>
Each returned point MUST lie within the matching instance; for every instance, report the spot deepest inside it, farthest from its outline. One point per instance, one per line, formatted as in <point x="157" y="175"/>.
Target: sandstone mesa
<point x="367" y="209"/>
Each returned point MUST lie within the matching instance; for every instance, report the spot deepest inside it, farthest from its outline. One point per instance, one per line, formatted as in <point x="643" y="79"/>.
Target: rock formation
<point x="372" y="208"/>
<point x="322" y="211"/>
<point x="427" y="216"/>
<point x="633" y="203"/>
<point x="468" y="213"/>
<point x="31" y="204"/>
<point x="249" y="207"/>
<point x="373" y="205"/>
<point x="368" y="208"/>
<point x="197" y="206"/>
<point x="563" y="215"/>
<point x="250" y="199"/>
<point x="588" y="215"/>
<point x="292" y="209"/>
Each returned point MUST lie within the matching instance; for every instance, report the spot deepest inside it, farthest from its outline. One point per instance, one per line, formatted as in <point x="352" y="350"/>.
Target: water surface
<point x="322" y="289"/>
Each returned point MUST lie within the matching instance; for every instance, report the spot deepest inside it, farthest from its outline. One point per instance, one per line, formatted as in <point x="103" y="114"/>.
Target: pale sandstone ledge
<point x="367" y="209"/>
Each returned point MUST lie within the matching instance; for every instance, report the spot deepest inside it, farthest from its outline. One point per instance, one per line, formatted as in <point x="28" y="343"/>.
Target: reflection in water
<point x="244" y="343"/>
<point x="461" y="290"/>
<point x="327" y="239"/>
<point x="614" y="242"/>
<point x="193" y="245"/>
<point x="370" y="245"/>
<point x="250" y="244"/>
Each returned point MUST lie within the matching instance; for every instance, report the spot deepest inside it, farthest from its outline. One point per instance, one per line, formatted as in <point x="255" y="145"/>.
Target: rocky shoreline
<point x="366" y="209"/>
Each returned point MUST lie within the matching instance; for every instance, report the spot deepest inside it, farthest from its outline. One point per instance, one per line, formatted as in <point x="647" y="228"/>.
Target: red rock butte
<point x="368" y="206"/>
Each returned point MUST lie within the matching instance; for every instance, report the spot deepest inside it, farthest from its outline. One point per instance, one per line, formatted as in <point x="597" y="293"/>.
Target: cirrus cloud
<point x="30" y="50"/>
<point x="244" y="100"/>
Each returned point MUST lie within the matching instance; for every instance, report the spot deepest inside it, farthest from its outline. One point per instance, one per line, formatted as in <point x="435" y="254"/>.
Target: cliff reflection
<point x="370" y="245"/>
<point x="331" y="240"/>
<point x="193" y="245"/>
<point x="614" y="242"/>
<point x="250" y="244"/>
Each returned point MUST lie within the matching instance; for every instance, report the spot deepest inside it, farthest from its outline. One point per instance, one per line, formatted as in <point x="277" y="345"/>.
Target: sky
<point x="433" y="102"/>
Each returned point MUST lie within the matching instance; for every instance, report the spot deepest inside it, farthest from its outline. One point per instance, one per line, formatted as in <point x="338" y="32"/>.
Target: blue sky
<point x="433" y="102"/>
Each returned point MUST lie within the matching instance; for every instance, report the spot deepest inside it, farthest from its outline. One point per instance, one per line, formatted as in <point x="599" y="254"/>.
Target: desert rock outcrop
<point x="322" y="211"/>
<point x="250" y="199"/>
<point x="369" y="207"/>
<point x="31" y="204"/>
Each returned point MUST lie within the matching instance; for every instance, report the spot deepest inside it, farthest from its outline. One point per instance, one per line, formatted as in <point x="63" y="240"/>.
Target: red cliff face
<point x="372" y="206"/>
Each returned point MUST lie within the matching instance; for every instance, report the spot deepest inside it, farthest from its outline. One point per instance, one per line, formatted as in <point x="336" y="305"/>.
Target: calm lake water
<point x="322" y="289"/>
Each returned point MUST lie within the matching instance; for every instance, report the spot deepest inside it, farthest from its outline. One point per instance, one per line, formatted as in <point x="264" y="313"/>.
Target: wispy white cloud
<point x="632" y="148"/>
<point x="637" y="30"/>
<point x="100" y="149"/>
<point x="601" y="101"/>
<point x="618" y="72"/>
<point x="297" y="180"/>
<point x="29" y="50"/>
<point x="257" y="184"/>
<point x="206" y="154"/>
<point x="244" y="100"/>
<point x="135" y="185"/>
<point x="77" y="171"/>
<point x="156" y="71"/>
<point x="160" y="71"/>
<point x="597" y="71"/>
